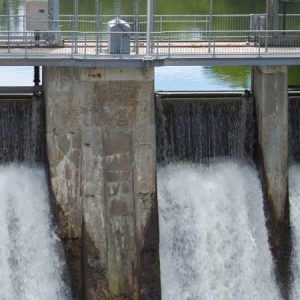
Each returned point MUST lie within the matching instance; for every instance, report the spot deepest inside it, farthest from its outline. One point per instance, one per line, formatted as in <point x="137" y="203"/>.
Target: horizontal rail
<point x="184" y="95"/>
<point x="171" y="95"/>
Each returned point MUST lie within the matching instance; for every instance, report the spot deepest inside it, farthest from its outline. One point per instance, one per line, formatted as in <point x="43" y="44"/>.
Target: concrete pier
<point x="271" y="94"/>
<point x="102" y="159"/>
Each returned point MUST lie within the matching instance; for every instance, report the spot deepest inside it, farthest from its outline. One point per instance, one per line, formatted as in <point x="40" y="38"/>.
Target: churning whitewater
<point x="294" y="198"/>
<point x="213" y="235"/>
<point x="30" y="265"/>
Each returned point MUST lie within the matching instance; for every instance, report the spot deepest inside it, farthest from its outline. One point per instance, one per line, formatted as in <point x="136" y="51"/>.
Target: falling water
<point x="294" y="198"/>
<point x="31" y="256"/>
<point x="30" y="265"/>
<point x="213" y="236"/>
<point x="201" y="129"/>
<point x="22" y="130"/>
<point x="214" y="240"/>
<point x="294" y="190"/>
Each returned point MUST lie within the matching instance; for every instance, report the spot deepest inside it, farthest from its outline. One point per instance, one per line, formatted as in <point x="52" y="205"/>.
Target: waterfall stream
<point x="213" y="234"/>
<point x="31" y="254"/>
<point x="22" y="131"/>
<point x="31" y="268"/>
<point x="214" y="242"/>
<point x="294" y="198"/>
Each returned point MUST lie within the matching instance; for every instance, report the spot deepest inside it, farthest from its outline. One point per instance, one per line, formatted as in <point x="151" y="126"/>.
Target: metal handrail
<point x="164" y="43"/>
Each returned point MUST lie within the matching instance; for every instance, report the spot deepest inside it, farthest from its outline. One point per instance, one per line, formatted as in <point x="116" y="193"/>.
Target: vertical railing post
<point x="214" y="46"/>
<point x="100" y="45"/>
<point x="72" y="35"/>
<point x="8" y="25"/>
<point x="85" y="44"/>
<point x="169" y="45"/>
<point x="8" y="42"/>
<point x="157" y="43"/>
<point x="210" y="24"/>
<point x="75" y="22"/>
<point x="97" y="44"/>
<point x="121" y="48"/>
<point x="266" y="40"/>
<point x="25" y="35"/>
<point x="8" y="16"/>
<point x="76" y="12"/>
<point x="24" y="15"/>
<point x="53" y="21"/>
<point x="98" y="25"/>
<point x="137" y="25"/>
<point x="76" y="42"/>
<point x="259" y="41"/>
<point x="149" y="26"/>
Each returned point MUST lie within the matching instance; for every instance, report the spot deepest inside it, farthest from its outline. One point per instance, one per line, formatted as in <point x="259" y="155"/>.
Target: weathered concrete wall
<point x="102" y="157"/>
<point x="271" y="93"/>
<point x="271" y="96"/>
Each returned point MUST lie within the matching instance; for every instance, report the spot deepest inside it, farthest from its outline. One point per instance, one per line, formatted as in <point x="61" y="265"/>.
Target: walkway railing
<point x="91" y="45"/>
<point x="172" y="36"/>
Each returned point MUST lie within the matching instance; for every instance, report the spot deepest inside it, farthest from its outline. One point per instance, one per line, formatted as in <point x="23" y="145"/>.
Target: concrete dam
<point x="112" y="191"/>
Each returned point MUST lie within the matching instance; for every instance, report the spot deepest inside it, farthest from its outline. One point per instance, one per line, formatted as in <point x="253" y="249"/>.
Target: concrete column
<point x="102" y="157"/>
<point x="271" y="93"/>
<point x="273" y="12"/>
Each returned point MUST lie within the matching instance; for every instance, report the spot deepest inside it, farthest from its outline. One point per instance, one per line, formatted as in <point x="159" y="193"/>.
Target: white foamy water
<point x="213" y="238"/>
<point x="30" y="268"/>
<point x="294" y="198"/>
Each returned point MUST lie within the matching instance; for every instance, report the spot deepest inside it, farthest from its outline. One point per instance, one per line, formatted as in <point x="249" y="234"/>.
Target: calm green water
<point x="172" y="7"/>
<point x="175" y="78"/>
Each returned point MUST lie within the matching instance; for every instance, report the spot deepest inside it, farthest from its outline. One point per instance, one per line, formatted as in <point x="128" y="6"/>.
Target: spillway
<point x="199" y="129"/>
<point x="31" y="255"/>
<point x="294" y="191"/>
<point x="213" y="234"/>
<point x="294" y="198"/>
<point x="31" y="268"/>
<point x="22" y="129"/>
